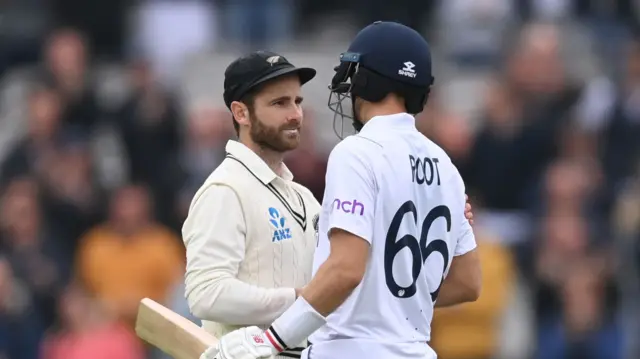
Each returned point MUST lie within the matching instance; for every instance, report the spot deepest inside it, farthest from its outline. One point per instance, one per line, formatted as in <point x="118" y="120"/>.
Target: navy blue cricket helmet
<point x="385" y="57"/>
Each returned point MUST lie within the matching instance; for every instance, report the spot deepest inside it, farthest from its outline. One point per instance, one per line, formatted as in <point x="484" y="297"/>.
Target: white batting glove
<point x="244" y="343"/>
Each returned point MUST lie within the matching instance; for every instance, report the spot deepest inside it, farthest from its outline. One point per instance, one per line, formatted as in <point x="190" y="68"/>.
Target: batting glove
<point x="244" y="343"/>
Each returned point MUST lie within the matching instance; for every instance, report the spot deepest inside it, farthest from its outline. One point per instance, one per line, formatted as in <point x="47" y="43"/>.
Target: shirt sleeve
<point x="214" y="234"/>
<point x="466" y="238"/>
<point x="350" y="190"/>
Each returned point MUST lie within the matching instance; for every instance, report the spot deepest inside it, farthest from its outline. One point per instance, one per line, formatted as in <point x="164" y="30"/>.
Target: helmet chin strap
<point x="357" y="125"/>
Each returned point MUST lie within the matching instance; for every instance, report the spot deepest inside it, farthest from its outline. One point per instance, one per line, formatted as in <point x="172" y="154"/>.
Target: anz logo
<point x="280" y="229"/>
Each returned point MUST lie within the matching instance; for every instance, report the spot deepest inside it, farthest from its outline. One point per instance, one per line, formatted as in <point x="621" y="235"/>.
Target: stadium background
<point x="111" y="116"/>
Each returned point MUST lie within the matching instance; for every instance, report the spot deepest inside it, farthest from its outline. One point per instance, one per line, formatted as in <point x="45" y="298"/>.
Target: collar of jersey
<point x="254" y="163"/>
<point x="381" y="123"/>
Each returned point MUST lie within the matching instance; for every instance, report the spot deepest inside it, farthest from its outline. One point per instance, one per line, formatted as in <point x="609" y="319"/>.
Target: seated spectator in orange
<point x="130" y="256"/>
<point x="471" y="330"/>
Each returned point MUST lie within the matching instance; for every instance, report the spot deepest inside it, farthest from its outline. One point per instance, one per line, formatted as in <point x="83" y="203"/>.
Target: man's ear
<point x="240" y="112"/>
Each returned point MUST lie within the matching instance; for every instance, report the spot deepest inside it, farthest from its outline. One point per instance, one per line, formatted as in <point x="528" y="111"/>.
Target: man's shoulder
<point x="356" y="148"/>
<point x="436" y="149"/>
<point x="228" y="168"/>
<point x="230" y="173"/>
<point x="213" y="192"/>
<point x="360" y="142"/>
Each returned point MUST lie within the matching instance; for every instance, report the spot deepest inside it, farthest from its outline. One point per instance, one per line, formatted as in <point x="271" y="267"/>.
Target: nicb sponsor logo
<point x="353" y="207"/>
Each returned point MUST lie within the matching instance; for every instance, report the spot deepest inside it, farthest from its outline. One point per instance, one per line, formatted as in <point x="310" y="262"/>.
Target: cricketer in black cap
<point x="263" y="92"/>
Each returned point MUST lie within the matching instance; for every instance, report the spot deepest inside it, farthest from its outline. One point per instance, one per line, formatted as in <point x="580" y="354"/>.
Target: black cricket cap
<point x="256" y="68"/>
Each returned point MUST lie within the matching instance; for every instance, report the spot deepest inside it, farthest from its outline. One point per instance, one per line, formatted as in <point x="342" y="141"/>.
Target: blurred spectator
<point x="307" y="164"/>
<point x="167" y="32"/>
<point x="258" y="24"/>
<point x="33" y="251"/>
<point x="576" y="299"/>
<point x="87" y="331"/>
<point x="626" y="223"/>
<point x="72" y="198"/>
<point x="208" y="129"/>
<point x="611" y="23"/>
<point x="20" y="327"/>
<point x="149" y="126"/>
<point x="525" y="116"/>
<point x="33" y="151"/>
<point x="412" y="13"/>
<point x="475" y="30"/>
<point x="548" y="10"/>
<point x="452" y="132"/>
<point x="103" y="22"/>
<point x="130" y="256"/>
<point x="67" y="69"/>
<point x="478" y="322"/>
<point x="569" y="187"/>
<point x="620" y="148"/>
<point x="586" y="330"/>
<point x="22" y="31"/>
<point x="563" y="243"/>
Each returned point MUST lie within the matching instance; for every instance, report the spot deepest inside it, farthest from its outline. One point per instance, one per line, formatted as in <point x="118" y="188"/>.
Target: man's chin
<point x="289" y="144"/>
<point x="290" y="139"/>
<point x="283" y="145"/>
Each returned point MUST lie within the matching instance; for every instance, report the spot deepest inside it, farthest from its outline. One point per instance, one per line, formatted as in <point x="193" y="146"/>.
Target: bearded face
<point x="280" y="138"/>
<point x="275" y="117"/>
<point x="272" y="119"/>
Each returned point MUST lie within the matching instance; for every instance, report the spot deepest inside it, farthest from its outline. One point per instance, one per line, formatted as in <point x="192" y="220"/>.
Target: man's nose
<point x="296" y="113"/>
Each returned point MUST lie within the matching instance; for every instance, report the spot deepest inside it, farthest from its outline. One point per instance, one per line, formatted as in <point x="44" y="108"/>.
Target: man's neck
<point x="370" y="112"/>
<point x="272" y="158"/>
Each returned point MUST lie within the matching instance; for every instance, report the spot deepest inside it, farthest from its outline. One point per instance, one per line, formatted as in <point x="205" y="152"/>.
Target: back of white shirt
<point x="399" y="191"/>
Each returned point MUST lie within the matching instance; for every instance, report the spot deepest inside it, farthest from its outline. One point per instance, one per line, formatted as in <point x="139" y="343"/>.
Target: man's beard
<point x="273" y="138"/>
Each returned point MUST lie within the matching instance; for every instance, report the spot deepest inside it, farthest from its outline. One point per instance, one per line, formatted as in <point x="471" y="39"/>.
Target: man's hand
<point x="468" y="211"/>
<point x="244" y="343"/>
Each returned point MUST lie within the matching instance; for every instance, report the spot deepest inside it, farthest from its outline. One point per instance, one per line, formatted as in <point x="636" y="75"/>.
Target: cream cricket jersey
<point x="250" y="239"/>
<point x="400" y="192"/>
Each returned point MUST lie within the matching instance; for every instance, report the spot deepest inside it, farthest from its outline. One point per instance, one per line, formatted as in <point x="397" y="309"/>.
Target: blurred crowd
<point x="537" y="103"/>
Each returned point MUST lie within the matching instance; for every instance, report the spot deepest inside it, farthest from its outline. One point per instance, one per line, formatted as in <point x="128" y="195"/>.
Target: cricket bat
<point x="171" y="332"/>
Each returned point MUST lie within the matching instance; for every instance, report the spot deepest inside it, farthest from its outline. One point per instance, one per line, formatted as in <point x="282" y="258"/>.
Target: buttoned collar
<point x="254" y="163"/>
<point x="395" y="121"/>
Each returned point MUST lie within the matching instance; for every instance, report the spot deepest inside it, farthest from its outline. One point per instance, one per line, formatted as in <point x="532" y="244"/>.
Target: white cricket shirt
<point x="250" y="239"/>
<point x="398" y="190"/>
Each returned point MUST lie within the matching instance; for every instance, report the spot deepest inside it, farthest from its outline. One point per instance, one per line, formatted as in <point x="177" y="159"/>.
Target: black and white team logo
<point x="408" y="70"/>
<point x="273" y="60"/>
<point x="315" y="222"/>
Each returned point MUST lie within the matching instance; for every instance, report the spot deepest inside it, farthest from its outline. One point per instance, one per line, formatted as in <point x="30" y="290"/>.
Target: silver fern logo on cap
<point x="273" y="60"/>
